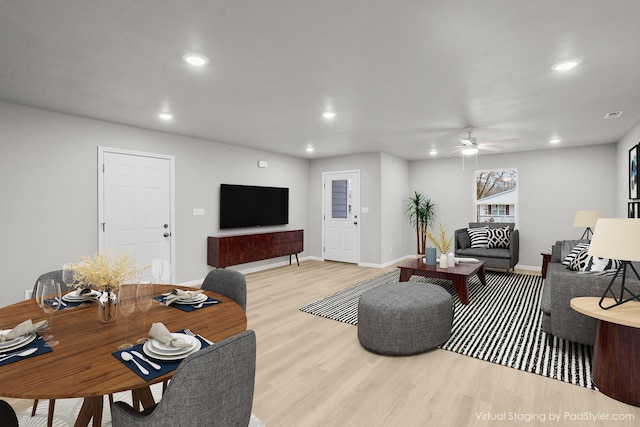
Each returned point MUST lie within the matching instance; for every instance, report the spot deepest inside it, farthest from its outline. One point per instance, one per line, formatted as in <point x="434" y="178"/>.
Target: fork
<point x="188" y="332"/>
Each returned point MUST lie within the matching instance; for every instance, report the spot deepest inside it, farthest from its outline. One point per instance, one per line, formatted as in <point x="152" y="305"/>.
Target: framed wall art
<point x="633" y="172"/>
<point x="633" y="210"/>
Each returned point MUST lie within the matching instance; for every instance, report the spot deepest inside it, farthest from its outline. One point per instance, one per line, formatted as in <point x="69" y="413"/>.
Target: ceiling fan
<point x="470" y="145"/>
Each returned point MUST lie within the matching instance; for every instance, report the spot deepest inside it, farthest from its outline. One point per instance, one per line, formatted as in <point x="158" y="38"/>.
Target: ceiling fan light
<point x="469" y="151"/>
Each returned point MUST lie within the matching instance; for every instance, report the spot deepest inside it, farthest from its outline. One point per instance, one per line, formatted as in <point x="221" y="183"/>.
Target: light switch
<point x="365" y="210"/>
<point x="198" y="211"/>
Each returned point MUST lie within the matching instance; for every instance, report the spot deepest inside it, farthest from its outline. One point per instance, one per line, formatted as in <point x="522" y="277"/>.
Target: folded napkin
<point x="177" y="294"/>
<point x="24" y="328"/>
<point x="162" y="334"/>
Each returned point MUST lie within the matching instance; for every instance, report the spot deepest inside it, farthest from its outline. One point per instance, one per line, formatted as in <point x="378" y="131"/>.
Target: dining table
<point x="83" y="364"/>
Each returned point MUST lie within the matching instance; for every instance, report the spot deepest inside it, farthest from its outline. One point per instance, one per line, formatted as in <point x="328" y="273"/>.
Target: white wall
<point x="393" y="223"/>
<point x="622" y="178"/>
<point x="48" y="186"/>
<point x="553" y="184"/>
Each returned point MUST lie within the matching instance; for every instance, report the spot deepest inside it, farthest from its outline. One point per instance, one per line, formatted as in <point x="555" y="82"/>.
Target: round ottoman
<point x="404" y="318"/>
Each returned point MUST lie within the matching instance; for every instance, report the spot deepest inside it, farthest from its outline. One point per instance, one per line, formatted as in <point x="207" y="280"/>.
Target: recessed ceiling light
<point x="310" y="149"/>
<point x="566" y="65"/>
<point x="433" y="152"/>
<point x="469" y="151"/>
<point x="195" y="59"/>
<point x="554" y="141"/>
<point x="329" y="115"/>
<point x="165" y="116"/>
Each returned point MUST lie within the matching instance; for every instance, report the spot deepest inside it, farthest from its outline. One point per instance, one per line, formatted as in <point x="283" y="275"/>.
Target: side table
<point x="616" y="352"/>
<point x="546" y="257"/>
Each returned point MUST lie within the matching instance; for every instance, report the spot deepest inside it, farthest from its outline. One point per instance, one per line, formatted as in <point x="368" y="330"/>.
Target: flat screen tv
<point x="253" y="206"/>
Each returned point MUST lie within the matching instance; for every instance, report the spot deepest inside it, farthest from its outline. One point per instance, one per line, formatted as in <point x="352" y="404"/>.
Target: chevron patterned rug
<point x="501" y="324"/>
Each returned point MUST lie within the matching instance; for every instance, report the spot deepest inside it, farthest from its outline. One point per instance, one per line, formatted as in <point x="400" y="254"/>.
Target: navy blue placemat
<point x="39" y="343"/>
<point x="165" y="365"/>
<point x="187" y="307"/>
<point x="76" y="304"/>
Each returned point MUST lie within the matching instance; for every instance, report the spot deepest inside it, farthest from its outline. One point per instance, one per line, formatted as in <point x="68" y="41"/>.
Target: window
<point x="496" y="195"/>
<point x="341" y="199"/>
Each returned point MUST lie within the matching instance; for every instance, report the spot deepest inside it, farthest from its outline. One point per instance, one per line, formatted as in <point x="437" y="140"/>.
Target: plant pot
<point x="108" y="306"/>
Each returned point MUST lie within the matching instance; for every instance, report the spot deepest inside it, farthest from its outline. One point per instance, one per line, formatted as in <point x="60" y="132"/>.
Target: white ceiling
<point x="402" y="76"/>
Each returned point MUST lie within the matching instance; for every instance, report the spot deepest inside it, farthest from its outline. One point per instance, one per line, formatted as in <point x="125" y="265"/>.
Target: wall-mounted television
<point x="253" y="206"/>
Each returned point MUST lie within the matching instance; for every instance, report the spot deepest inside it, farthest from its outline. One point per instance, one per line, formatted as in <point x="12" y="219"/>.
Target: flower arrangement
<point x="104" y="271"/>
<point x="441" y="243"/>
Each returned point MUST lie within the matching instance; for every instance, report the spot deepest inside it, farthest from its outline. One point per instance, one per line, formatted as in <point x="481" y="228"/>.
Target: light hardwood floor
<point x="313" y="372"/>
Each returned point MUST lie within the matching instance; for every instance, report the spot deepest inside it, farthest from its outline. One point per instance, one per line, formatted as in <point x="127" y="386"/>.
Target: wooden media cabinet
<point x="224" y="251"/>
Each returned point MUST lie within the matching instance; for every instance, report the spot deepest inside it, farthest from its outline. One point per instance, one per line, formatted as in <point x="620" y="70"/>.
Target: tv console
<point x="224" y="251"/>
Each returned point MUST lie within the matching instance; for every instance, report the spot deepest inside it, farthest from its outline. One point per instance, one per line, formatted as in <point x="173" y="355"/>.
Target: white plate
<point x="14" y="341"/>
<point x="160" y="348"/>
<point x="74" y="297"/>
<point x="192" y="300"/>
<point x="149" y="352"/>
<point x="23" y="341"/>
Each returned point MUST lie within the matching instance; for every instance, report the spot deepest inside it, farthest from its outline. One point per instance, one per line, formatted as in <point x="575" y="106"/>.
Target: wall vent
<point x="613" y="115"/>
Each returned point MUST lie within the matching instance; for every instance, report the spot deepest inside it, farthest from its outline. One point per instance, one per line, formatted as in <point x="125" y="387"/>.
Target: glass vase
<point x="108" y="306"/>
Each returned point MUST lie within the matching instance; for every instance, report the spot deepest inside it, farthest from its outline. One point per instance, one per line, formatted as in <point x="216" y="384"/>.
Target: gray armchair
<point x="502" y="258"/>
<point x="229" y="283"/>
<point x="212" y="387"/>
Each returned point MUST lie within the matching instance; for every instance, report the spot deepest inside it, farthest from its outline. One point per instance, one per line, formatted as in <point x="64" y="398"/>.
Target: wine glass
<point x="144" y="300"/>
<point x="156" y="269"/>
<point x="49" y="299"/>
<point x="68" y="276"/>
<point x="126" y="306"/>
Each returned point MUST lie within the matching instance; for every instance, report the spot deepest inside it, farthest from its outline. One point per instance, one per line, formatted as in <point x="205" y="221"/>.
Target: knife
<point x="154" y="365"/>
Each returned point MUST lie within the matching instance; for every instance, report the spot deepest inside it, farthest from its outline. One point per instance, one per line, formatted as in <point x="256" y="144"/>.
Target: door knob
<point x="355" y="222"/>
<point x="167" y="234"/>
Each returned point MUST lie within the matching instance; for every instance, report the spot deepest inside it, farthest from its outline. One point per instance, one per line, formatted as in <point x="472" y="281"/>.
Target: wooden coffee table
<point x="459" y="274"/>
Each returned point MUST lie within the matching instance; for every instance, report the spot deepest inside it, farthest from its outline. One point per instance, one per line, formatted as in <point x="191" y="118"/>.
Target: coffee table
<point x="459" y="274"/>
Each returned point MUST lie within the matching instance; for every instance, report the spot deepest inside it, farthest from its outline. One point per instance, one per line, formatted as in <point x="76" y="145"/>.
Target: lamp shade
<point x="586" y="218"/>
<point x="616" y="238"/>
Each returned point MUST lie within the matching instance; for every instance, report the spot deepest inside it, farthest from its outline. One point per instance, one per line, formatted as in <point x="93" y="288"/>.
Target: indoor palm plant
<point x="421" y="212"/>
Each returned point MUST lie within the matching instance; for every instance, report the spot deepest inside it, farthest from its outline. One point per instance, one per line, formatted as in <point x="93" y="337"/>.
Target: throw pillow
<point x="595" y="263"/>
<point x="478" y="237"/>
<point x="499" y="237"/>
<point x="576" y="250"/>
<point x="580" y="260"/>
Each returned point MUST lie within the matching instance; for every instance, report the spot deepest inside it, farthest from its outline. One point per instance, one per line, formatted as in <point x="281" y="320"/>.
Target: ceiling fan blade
<point x="457" y="150"/>
<point x="488" y="147"/>
<point x="499" y="141"/>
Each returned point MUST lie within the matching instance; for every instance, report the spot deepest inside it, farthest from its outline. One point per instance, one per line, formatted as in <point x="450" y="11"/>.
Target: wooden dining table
<point x="82" y="364"/>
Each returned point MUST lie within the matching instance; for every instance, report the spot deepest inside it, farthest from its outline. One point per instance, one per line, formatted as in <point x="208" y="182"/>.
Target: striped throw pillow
<point x="595" y="263"/>
<point x="478" y="237"/>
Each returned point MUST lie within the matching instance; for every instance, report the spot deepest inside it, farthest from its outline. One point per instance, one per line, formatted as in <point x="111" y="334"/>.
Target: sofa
<point x="505" y="257"/>
<point x="562" y="284"/>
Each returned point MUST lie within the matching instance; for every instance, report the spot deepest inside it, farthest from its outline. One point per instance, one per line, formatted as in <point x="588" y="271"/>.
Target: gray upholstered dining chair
<point x="229" y="283"/>
<point x="8" y="417"/>
<point x="56" y="275"/>
<point x="212" y="387"/>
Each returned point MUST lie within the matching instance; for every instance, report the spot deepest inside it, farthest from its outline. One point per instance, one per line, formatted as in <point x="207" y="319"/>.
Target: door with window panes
<point x="341" y="216"/>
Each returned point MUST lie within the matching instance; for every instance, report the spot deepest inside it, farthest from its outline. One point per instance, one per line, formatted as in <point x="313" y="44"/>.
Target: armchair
<point x="501" y="258"/>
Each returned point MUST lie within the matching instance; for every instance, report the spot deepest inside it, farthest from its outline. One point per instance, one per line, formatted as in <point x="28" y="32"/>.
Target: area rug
<point x="67" y="410"/>
<point x="501" y="324"/>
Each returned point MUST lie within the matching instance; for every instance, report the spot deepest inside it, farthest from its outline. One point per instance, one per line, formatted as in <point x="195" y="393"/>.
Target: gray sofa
<point x="562" y="284"/>
<point x="494" y="258"/>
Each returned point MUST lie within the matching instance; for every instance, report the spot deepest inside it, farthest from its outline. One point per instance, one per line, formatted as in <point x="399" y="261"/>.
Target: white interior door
<point x="136" y="210"/>
<point x="342" y="216"/>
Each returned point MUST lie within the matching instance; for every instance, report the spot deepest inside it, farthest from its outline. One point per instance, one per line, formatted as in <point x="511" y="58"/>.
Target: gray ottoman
<point x="404" y="318"/>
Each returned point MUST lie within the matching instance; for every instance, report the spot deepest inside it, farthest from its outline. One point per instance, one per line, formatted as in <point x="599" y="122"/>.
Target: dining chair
<point x="212" y="387"/>
<point x="56" y="275"/>
<point x="8" y="417"/>
<point x="229" y="283"/>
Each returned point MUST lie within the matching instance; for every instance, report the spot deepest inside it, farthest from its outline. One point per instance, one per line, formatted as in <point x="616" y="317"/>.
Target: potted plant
<point x="421" y="211"/>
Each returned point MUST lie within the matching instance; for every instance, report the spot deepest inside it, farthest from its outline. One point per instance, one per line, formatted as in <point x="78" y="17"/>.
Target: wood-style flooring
<point x="313" y="372"/>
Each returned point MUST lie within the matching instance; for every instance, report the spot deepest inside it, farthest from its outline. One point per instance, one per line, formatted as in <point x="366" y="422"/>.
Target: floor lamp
<point x="617" y="238"/>
<point x="588" y="220"/>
